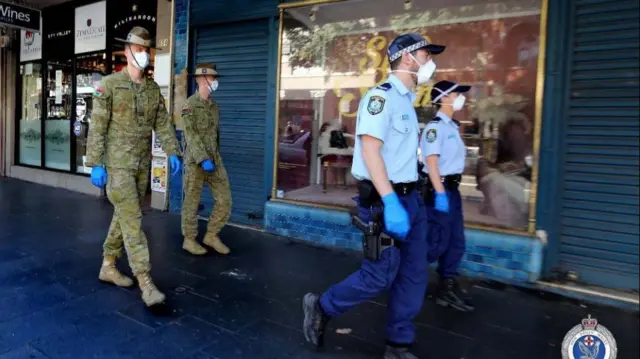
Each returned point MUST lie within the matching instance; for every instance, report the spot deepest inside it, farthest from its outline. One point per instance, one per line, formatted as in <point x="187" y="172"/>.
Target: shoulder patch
<point x="99" y="92"/>
<point x="432" y="135"/>
<point x="384" y="87"/>
<point x="376" y="105"/>
<point x="186" y="111"/>
<point x="436" y="119"/>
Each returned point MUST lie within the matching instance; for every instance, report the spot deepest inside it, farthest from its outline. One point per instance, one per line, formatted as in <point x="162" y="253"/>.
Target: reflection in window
<point x="89" y="71"/>
<point x="332" y="54"/>
<point x="30" y="125"/>
<point x="57" y="125"/>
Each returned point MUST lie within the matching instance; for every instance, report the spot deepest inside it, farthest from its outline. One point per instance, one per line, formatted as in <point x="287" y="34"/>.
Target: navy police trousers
<point x="402" y="270"/>
<point x="446" y="236"/>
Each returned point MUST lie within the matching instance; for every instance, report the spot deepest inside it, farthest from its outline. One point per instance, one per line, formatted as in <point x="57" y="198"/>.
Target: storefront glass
<point x="30" y="125"/>
<point x="89" y="72"/>
<point x="333" y="53"/>
<point x="57" y="124"/>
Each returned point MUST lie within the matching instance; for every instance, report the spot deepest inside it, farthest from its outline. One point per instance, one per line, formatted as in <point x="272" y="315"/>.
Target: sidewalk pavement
<point x="246" y="305"/>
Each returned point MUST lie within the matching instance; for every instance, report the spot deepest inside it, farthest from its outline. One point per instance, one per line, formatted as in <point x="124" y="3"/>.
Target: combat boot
<point x="190" y="245"/>
<point x="315" y="320"/>
<point x="450" y="295"/>
<point x="151" y="295"/>
<point x="110" y="274"/>
<point x="213" y="241"/>
<point x="398" y="353"/>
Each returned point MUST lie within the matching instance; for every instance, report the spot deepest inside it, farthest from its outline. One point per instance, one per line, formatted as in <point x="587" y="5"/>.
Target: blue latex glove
<point x="98" y="176"/>
<point x="442" y="202"/>
<point x="396" y="218"/>
<point x="175" y="165"/>
<point x="208" y="166"/>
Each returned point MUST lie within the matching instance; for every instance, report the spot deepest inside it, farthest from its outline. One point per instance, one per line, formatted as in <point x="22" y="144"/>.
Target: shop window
<point x="57" y="124"/>
<point x="90" y="69"/>
<point x="29" y="124"/>
<point x="336" y="52"/>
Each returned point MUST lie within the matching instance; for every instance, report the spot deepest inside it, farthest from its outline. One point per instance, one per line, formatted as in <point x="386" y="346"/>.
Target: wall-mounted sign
<point x="57" y="27"/>
<point x="19" y="16"/>
<point x="125" y="14"/>
<point x="30" y="46"/>
<point x="91" y="28"/>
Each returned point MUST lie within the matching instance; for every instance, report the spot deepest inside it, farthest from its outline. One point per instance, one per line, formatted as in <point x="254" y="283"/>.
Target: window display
<point x="90" y="69"/>
<point x="57" y="124"/>
<point x="30" y="125"/>
<point x="332" y="54"/>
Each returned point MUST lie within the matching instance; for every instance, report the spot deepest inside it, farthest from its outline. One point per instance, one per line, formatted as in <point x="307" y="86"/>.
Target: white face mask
<point x="141" y="60"/>
<point x="458" y="103"/>
<point x="213" y="85"/>
<point x="425" y="73"/>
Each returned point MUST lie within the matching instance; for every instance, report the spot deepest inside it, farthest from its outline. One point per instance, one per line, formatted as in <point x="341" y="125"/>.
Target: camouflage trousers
<point x="194" y="179"/>
<point x="126" y="190"/>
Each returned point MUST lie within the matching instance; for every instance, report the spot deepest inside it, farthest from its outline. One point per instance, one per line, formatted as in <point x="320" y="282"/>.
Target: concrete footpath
<point x="246" y="305"/>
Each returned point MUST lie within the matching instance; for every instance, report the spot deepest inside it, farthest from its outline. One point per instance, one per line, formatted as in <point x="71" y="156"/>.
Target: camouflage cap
<point x="138" y="36"/>
<point x="205" y="69"/>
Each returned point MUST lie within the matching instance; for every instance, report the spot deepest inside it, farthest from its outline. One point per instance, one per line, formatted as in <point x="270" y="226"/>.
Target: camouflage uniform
<point x="124" y="115"/>
<point x="201" y="120"/>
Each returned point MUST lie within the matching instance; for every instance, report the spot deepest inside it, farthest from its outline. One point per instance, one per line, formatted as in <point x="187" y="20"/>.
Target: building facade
<point x="47" y="98"/>
<point x="552" y="124"/>
<point x="551" y="186"/>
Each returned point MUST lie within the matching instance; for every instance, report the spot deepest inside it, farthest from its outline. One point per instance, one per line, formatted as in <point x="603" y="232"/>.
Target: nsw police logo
<point x="376" y="105"/>
<point x="589" y="340"/>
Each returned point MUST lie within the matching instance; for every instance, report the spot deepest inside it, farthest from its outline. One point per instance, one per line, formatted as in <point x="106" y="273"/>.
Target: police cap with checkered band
<point x="408" y="43"/>
<point x="443" y="88"/>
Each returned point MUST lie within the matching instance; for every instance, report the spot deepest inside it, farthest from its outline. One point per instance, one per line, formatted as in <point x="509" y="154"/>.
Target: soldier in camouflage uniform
<point x="203" y="163"/>
<point x="126" y="108"/>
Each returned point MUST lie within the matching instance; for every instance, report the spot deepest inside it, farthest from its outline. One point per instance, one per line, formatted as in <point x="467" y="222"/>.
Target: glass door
<point x="90" y="70"/>
<point x="57" y="126"/>
<point x="30" y="124"/>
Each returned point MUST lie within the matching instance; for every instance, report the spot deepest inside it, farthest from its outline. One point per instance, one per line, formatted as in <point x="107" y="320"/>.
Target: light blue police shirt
<point x="386" y="112"/>
<point x="443" y="138"/>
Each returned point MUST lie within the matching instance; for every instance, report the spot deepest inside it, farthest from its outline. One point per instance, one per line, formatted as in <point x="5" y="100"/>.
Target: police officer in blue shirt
<point x="444" y="155"/>
<point x="385" y="163"/>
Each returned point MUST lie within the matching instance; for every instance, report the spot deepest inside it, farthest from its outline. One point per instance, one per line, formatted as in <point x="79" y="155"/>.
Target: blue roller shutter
<point x="600" y="186"/>
<point x="241" y="53"/>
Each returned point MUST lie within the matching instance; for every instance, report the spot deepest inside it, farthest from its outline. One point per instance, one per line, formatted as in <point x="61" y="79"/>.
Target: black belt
<point x="449" y="182"/>
<point x="399" y="188"/>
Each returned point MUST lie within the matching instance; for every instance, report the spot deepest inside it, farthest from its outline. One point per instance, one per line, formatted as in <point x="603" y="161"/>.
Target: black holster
<point x="375" y="240"/>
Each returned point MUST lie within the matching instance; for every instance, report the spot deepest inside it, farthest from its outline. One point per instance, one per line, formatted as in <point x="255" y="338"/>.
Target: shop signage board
<point x="125" y="14"/>
<point x="91" y="28"/>
<point x="30" y="45"/>
<point x="20" y="17"/>
<point x="58" y="29"/>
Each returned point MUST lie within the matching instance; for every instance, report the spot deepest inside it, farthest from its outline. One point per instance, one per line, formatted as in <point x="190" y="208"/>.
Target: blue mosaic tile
<point x="474" y="258"/>
<point x="491" y="255"/>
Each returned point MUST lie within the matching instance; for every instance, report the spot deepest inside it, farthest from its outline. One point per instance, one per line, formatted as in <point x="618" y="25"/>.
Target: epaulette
<point x="384" y="87"/>
<point x="436" y="119"/>
<point x="456" y="122"/>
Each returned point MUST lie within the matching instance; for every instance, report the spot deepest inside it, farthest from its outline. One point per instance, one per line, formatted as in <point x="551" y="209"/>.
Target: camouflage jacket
<point x="122" y="121"/>
<point x="201" y="130"/>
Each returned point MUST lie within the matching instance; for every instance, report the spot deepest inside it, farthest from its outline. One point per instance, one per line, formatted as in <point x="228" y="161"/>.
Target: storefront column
<point x="163" y="76"/>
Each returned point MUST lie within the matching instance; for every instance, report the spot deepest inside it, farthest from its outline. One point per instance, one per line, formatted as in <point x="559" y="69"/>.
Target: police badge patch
<point x="376" y="105"/>
<point x="589" y="340"/>
<point x="432" y="135"/>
